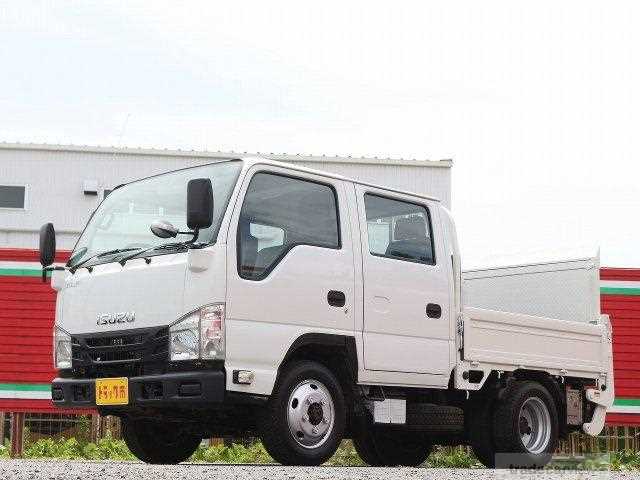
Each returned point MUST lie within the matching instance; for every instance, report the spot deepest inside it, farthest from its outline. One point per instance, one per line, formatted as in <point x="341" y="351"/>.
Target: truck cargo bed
<point x="563" y="288"/>
<point x="511" y="341"/>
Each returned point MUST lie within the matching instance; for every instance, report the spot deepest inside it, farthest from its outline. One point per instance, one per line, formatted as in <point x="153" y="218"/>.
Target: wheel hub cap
<point x="535" y="425"/>
<point x="310" y="413"/>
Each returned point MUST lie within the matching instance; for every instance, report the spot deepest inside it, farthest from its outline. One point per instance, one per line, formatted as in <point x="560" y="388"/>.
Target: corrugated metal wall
<point x="54" y="177"/>
<point x="620" y="299"/>
<point x="435" y="182"/>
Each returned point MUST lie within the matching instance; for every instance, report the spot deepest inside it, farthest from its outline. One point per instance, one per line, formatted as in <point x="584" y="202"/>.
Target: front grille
<point x="113" y="341"/>
<point x="132" y="352"/>
<point x="129" y="356"/>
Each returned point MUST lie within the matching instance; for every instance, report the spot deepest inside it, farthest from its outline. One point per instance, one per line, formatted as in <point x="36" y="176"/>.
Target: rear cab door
<point x="407" y="333"/>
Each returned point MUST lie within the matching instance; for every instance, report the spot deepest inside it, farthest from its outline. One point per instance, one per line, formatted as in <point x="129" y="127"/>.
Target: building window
<point x="13" y="196"/>
<point x="399" y="230"/>
<point x="280" y="212"/>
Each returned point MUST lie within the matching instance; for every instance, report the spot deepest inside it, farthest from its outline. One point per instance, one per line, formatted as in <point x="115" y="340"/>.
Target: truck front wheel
<point x="305" y="417"/>
<point x="158" y="443"/>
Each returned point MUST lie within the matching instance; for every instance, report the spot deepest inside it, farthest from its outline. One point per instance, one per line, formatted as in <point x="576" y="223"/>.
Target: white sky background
<point x="536" y="102"/>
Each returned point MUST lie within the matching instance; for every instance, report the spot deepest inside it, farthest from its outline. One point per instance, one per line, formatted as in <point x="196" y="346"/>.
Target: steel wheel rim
<point x="310" y="414"/>
<point x="534" y="422"/>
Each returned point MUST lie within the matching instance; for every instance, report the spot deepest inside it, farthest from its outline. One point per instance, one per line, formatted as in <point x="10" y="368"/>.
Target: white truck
<point x="256" y="298"/>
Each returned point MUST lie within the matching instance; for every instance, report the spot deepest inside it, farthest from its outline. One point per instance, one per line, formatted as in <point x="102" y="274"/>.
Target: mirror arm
<point x="50" y="268"/>
<point x="195" y="234"/>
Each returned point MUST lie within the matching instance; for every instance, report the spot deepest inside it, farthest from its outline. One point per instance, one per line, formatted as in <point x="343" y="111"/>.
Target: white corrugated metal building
<point x="42" y="183"/>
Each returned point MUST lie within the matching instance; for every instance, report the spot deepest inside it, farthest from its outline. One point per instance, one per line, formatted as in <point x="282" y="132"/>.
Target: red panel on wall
<point x="18" y="330"/>
<point x="28" y="255"/>
<point x="620" y="274"/>
<point x="620" y="299"/>
<point x="623" y="419"/>
<point x="27" y="311"/>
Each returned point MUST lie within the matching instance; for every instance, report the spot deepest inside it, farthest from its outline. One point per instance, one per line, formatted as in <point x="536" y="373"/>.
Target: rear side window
<point x="278" y="213"/>
<point x="399" y="230"/>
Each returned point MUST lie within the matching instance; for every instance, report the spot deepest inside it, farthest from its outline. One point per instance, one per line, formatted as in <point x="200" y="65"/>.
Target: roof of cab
<point x="255" y="160"/>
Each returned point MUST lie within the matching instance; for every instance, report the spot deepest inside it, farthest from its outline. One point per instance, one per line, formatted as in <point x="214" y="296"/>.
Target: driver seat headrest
<point x="414" y="228"/>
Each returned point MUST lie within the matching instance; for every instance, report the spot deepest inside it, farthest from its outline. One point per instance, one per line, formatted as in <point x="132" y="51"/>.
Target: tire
<point x="158" y="443"/>
<point x="480" y="428"/>
<point x="525" y="426"/>
<point x="436" y="418"/>
<point x="365" y="448"/>
<point x="305" y="418"/>
<point x="390" y="447"/>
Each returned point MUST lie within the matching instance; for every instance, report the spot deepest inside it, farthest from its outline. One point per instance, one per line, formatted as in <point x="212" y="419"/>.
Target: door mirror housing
<point x="59" y="279"/>
<point x="163" y="229"/>
<point x="47" y="244"/>
<point x="199" y="203"/>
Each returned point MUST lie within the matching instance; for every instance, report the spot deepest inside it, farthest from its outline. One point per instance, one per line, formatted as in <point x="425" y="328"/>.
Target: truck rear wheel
<point x="158" y="443"/>
<point x="305" y="417"/>
<point x="525" y="426"/>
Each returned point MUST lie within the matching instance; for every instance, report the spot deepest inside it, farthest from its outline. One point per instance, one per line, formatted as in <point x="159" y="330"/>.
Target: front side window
<point x="279" y="213"/>
<point x="399" y="230"/>
<point x="12" y="196"/>
<point x="123" y="219"/>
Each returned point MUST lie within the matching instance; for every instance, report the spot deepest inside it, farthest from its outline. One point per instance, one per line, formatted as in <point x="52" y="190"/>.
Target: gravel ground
<point x="75" y="470"/>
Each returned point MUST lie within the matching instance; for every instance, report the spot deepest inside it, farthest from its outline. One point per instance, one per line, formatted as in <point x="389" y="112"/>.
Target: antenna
<point x="122" y="130"/>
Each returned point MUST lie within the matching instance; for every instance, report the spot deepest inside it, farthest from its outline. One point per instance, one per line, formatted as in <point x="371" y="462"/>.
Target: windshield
<point x="123" y="219"/>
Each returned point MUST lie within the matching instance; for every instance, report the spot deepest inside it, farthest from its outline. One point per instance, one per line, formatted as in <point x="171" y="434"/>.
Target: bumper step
<point x="170" y="389"/>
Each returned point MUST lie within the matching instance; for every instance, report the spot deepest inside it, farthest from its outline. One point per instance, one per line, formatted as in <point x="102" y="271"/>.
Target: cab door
<point x="406" y="325"/>
<point x="290" y="269"/>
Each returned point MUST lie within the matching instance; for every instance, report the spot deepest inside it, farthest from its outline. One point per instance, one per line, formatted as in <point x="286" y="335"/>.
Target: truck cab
<point x="255" y="298"/>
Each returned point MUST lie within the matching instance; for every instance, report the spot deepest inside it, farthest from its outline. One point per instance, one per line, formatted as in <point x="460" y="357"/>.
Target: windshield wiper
<point x="101" y="254"/>
<point x="166" y="246"/>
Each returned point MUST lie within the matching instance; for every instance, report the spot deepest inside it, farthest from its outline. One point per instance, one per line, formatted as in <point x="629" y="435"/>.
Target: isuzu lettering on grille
<point x="114" y="318"/>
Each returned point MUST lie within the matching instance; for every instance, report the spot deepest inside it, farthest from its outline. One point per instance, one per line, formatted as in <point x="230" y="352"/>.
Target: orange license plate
<point x="112" y="391"/>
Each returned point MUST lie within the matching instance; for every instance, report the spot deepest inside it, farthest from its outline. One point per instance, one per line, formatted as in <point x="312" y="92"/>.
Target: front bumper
<point x="188" y="389"/>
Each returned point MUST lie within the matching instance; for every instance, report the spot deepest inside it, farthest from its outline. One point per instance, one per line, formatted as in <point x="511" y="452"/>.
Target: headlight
<point x="185" y="338"/>
<point x="199" y="335"/>
<point x="61" y="349"/>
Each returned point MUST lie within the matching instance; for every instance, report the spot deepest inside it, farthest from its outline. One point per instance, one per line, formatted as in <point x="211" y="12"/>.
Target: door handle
<point x="336" y="298"/>
<point x="434" y="310"/>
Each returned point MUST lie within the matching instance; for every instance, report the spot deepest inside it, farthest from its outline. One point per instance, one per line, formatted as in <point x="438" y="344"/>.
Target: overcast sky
<point x="536" y="102"/>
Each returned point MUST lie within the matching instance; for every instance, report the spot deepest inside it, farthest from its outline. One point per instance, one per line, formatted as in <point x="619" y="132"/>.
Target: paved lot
<point x="63" y="470"/>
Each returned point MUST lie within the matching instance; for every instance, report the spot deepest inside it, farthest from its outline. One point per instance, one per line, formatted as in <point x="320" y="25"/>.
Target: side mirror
<point x="59" y="278"/>
<point x="163" y="229"/>
<point x="47" y="244"/>
<point x="199" y="203"/>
